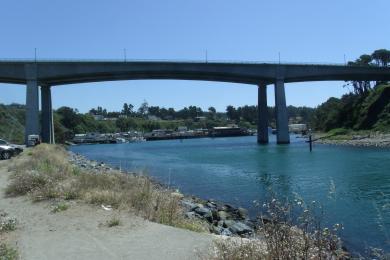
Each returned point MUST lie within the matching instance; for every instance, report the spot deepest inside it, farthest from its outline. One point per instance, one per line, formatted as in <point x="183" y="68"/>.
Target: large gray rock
<point x="228" y="223"/>
<point x="205" y="213"/>
<point x="216" y="229"/>
<point x="190" y="206"/>
<point x="243" y="213"/>
<point x="202" y="211"/>
<point x="211" y="204"/>
<point x="226" y="232"/>
<point x="190" y="215"/>
<point x="214" y="212"/>
<point x="240" y="228"/>
<point x="223" y="215"/>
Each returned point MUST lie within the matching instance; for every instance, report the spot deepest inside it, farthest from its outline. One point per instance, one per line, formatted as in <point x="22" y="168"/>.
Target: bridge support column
<point x="262" y="114"/>
<point x="47" y="115"/>
<point x="282" y="135"/>
<point x="32" y="109"/>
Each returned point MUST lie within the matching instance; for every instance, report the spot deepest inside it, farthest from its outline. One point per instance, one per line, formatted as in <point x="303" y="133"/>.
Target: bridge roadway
<point x="46" y="74"/>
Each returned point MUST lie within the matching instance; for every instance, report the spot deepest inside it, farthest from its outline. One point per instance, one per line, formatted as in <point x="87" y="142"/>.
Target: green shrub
<point x="8" y="253"/>
<point x="7" y="224"/>
<point x="114" y="221"/>
<point x="60" y="207"/>
<point x="338" y="131"/>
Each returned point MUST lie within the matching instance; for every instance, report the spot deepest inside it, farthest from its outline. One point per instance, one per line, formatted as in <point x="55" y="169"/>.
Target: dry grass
<point x="45" y="173"/>
<point x="236" y="249"/>
<point x="281" y="236"/>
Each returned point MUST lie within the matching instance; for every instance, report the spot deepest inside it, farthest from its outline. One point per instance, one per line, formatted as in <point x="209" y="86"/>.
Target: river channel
<point x="352" y="184"/>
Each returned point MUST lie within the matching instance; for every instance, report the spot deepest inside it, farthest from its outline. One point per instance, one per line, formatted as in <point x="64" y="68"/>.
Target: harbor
<point x="160" y="134"/>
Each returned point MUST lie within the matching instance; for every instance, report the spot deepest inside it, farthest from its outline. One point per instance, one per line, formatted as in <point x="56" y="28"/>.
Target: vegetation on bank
<point x="365" y="107"/>
<point x="46" y="174"/>
<point x="8" y="253"/>
<point x="12" y="120"/>
<point x="289" y="230"/>
<point x="7" y="224"/>
<point x="356" y="112"/>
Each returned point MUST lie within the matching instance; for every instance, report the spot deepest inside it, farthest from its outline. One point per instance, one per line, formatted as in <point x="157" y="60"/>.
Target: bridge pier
<point x="32" y="109"/>
<point x="262" y="114"/>
<point x="282" y="134"/>
<point x="47" y="115"/>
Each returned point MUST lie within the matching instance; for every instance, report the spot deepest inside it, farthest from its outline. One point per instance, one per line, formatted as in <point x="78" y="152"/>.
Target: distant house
<point x="200" y="118"/>
<point x="182" y="129"/>
<point x="153" y="118"/>
<point x="98" y="117"/>
<point x="110" y="119"/>
<point x="297" y="128"/>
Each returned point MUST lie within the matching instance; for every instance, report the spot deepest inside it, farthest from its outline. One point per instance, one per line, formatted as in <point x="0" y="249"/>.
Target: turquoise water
<point x="352" y="184"/>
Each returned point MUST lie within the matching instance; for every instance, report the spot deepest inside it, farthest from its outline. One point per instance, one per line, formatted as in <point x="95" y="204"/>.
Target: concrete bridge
<point x="46" y="74"/>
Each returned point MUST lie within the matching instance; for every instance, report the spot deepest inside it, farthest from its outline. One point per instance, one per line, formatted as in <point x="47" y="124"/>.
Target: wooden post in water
<point x="310" y="143"/>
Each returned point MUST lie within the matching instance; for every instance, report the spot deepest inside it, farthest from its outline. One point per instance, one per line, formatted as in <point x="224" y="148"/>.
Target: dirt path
<point x="78" y="233"/>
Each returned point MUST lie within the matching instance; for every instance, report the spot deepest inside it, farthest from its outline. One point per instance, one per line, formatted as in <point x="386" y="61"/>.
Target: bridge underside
<point x="48" y="74"/>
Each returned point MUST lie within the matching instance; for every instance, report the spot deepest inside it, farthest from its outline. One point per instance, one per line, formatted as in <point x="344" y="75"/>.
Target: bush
<point x="47" y="174"/>
<point x="338" y="131"/>
<point x="237" y="249"/>
<point x="7" y="253"/>
<point x="7" y="224"/>
<point x="289" y="230"/>
<point x="60" y="207"/>
<point x="113" y="222"/>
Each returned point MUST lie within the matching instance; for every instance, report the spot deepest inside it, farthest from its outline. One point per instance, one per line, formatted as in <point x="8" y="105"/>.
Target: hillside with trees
<point x="366" y="107"/>
<point x="69" y="121"/>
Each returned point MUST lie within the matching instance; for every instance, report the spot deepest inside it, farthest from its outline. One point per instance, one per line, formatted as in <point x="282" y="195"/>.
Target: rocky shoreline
<point x="377" y="140"/>
<point x="221" y="218"/>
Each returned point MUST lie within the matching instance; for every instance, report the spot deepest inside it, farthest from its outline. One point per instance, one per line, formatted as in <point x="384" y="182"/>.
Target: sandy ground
<point x="80" y="233"/>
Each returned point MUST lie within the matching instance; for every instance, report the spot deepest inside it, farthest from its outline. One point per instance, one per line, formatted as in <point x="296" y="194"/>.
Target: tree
<point x="212" y="112"/>
<point x="381" y="57"/>
<point x="130" y="110"/>
<point x="154" y="110"/>
<point x="125" y="110"/>
<point x="249" y="113"/>
<point x="69" y="118"/>
<point x="99" y="111"/>
<point x="143" y="109"/>
<point x="364" y="59"/>
<point x="93" y="111"/>
<point x="231" y="112"/>
<point x="192" y="111"/>
<point x="360" y="87"/>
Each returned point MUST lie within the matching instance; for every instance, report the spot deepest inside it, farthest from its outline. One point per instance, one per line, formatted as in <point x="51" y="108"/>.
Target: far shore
<point x="379" y="140"/>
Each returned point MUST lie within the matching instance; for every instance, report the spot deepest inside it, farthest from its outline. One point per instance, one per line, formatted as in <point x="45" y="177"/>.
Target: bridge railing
<point x="44" y="60"/>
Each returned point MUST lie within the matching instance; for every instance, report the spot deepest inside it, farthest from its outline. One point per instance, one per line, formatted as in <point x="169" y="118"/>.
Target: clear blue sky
<point x="252" y="30"/>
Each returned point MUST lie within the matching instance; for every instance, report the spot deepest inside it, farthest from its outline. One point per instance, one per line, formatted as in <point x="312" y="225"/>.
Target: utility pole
<point x="206" y="56"/>
<point x="124" y="54"/>
<point x="345" y="61"/>
<point x="35" y="54"/>
<point x="279" y="57"/>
